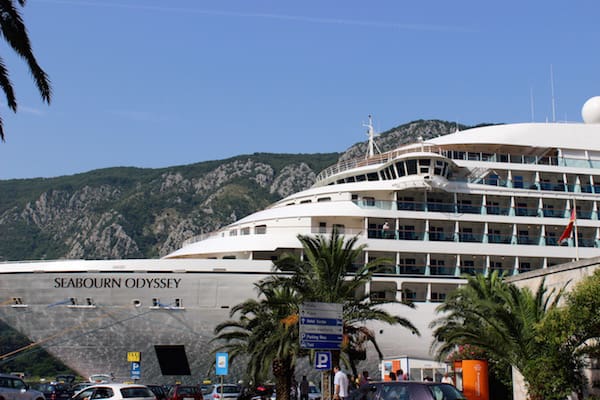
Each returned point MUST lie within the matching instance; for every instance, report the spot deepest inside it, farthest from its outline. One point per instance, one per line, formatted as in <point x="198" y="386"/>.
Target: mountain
<point x="126" y="212"/>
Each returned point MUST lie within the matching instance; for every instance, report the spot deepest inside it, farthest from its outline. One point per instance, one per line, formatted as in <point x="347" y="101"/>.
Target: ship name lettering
<point x="109" y="283"/>
<point x="152" y="283"/>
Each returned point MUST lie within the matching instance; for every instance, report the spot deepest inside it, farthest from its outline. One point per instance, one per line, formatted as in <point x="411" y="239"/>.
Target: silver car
<point x="13" y="388"/>
<point x="225" y="391"/>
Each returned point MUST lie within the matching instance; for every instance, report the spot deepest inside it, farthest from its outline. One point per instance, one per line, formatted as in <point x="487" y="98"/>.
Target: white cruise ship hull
<point x="91" y="317"/>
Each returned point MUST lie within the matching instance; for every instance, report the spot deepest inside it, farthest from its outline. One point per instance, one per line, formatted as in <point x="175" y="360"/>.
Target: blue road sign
<point x="321" y="326"/>
<point x="136" y="370"/>
<point x="222" y="363"/>
<point x="323" y="360"/>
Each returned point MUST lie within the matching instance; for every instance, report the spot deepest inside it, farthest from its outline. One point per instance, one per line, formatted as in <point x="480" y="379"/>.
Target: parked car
<point x="405" y="390"/>
<point x="313" y="392"/>
<point x="205" y="388"/>
<point x="115" y="391"/>
<point x="184" y="392"/>
<point x="77" y="387"/>
<point x="225" y="391"/>
<point x="159" y="391"/>
<point x="14" y="388"/>
<point x="55" y="390"/>
<point x="68" y="379"/>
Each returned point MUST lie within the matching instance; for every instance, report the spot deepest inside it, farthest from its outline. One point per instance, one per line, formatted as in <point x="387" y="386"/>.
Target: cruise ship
<point x="475" y="201"/>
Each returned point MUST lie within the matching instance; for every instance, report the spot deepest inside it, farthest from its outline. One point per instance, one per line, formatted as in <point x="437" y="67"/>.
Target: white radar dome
<point x="591" y="111"/>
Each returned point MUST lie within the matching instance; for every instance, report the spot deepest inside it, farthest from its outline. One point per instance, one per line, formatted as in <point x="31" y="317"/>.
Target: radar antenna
<point x="371" y="133"/>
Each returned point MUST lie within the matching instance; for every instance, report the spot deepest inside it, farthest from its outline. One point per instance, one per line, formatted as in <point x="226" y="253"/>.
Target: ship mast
<point x="371" y="133"/>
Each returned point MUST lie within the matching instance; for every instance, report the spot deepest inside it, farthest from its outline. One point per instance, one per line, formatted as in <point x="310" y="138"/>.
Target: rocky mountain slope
<point x="147" y="213"/>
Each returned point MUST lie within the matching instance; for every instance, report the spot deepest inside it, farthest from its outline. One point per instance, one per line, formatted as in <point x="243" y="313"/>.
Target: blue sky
<point x="151" y="83"/>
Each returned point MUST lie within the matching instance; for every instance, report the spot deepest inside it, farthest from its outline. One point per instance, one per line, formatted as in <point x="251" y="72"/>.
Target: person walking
<point x="303" y="388"/>
<point x="340" y="384"/>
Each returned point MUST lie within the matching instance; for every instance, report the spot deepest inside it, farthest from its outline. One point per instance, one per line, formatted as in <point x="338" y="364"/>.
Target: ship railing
<point x="530" y="239"/>
<point x="377" y="159"/>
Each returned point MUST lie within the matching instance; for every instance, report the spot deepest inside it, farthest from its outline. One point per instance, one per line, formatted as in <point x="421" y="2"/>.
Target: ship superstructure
<point x="488" y="198"/>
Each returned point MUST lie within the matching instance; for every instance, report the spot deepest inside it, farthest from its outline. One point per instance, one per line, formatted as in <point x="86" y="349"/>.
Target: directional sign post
<point x="321" y="326"/>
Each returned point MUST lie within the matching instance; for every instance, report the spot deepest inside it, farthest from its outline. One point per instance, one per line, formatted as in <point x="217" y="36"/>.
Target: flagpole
<point x="575" y="226"/>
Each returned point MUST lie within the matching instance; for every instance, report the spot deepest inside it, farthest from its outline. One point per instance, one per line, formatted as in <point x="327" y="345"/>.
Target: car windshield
<point x="131" y="392"/>
<point x="187" y="390"/>
<point x="445" y="392"/>
<point x="45" y="387"/>
<point x="228" y="389"/>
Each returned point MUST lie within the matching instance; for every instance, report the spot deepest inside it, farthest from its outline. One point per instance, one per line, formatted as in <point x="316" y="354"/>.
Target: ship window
<point x="354" y="197"/>
<point x="260" y="229"/>
<point x="435" y="296"/>
<point x="73" y="301"/>
<point x="372" y="176"/>
<point x="360" y="178"/>
<point x="379" y="295"/>
<point x="155" y="302"/>
<point x="518" y="181"/>
<point x="340" y="181"/>
<point x="305" y="201"/>
<point x="322" y="227"/>
<point x="136" y="303"/>
<point x="339" y="228"/>
<point x="439" y="167"/>
<point x="400" y="168"/>
<point x="322" y="199"/>
<point x="89" y="301"/>
<point x="424" y="165"/>
<point x="229" y="257"/>
<point x="245" y="231"/>
<point x="524" y="267"/>
<point x="350" y="179"/>
<point x="411" y="167"/>
<point x="369" y="201"/>
<point x="233" y="232"/>
<point x="17" y="301"/>
<point x="178" y="303"/>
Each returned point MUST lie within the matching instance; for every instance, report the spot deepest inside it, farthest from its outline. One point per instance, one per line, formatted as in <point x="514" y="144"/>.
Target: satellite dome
<point x="591" y="111"/>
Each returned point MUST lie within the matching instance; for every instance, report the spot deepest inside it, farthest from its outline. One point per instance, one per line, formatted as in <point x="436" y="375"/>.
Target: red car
<point x="185" y="392"/>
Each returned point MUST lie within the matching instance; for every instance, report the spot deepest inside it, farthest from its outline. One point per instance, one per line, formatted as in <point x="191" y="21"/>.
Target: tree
<point x="501" y="319"/>
<point x="329" y="270"/>
<point x="267" y="329"/>
<point x="573" y="333"/>
<point x="15" y="33"/>
<point x="266" y="332"/>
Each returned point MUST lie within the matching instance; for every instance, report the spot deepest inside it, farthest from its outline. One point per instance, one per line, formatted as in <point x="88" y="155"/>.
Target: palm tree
<point x="328" y="272"/>
<point x="266" y="332"/>
<point x="499" y="318"/>
<point x="15" y="33"/>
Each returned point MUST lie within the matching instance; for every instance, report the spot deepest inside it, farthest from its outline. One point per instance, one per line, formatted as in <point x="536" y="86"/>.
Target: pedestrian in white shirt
<point x="340" y="384"/>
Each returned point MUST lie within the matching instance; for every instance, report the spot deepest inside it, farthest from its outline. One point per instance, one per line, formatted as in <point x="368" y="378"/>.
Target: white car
<point x="115" y="391"/>
<point x="225" y="391"/>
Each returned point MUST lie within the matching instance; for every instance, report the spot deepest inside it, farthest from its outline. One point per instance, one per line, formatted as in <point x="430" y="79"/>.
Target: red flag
<point x="567" y="232"/>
